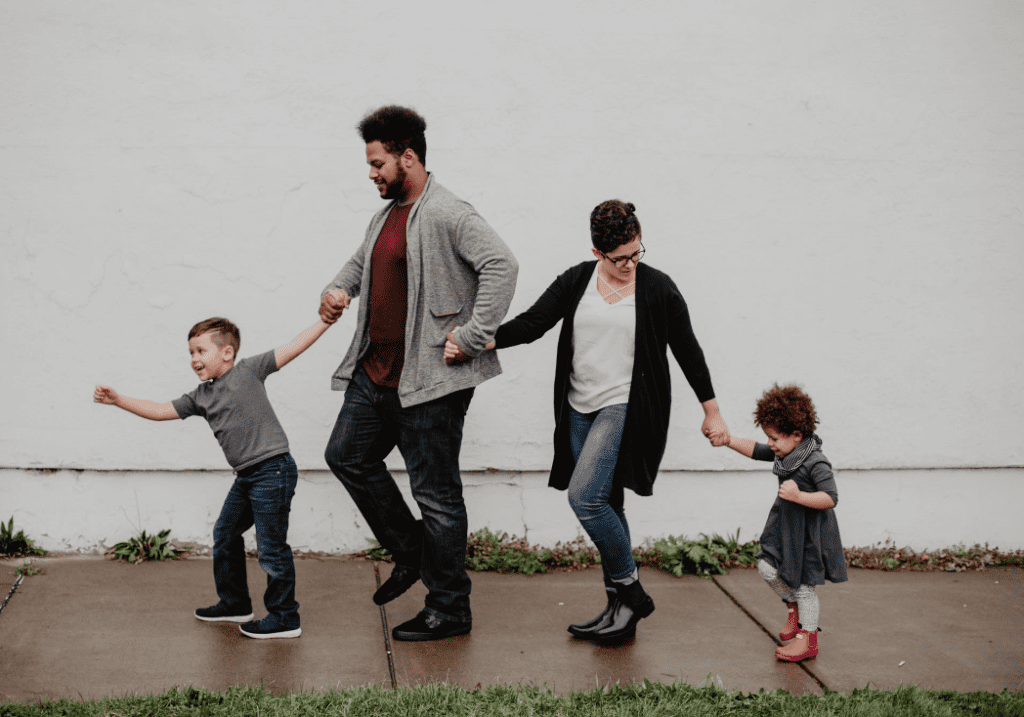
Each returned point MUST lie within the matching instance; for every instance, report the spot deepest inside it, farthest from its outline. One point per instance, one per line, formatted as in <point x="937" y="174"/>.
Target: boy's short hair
<point x="786" y="409"/>
<point x="612" y="224"/>
<point x="398" y="129"/>
<point x="222" y="330"/>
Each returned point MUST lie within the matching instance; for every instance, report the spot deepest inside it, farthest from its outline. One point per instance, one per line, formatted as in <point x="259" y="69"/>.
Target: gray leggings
<point x="804" y="596"/>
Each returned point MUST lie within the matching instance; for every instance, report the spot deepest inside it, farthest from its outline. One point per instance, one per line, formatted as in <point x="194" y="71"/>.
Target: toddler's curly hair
<point x="786" y="409"/>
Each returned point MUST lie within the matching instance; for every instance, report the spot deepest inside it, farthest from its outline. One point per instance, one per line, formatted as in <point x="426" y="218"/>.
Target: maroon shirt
<point x="389" y="282"/>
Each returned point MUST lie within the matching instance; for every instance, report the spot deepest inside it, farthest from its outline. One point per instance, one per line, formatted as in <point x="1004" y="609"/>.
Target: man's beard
<point x="393" y="190"/>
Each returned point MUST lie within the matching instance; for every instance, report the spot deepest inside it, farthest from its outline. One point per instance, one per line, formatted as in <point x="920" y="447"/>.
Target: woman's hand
<point x="715" y="430"/>
<point x="452" y="352"/>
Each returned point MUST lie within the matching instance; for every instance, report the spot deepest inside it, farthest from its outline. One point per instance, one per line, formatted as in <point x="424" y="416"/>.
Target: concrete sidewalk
<point x="89" y="628"/>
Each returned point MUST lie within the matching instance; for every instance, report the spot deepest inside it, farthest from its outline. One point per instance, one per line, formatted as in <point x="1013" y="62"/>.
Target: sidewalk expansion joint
<point x="13" y="588"/>
<point x="387" y="633"/>
<point x="768" y="632"/>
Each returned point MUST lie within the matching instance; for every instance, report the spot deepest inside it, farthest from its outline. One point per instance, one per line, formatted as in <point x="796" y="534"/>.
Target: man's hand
<point x="105" y="394"/>
<point x="333" y="304"/>
<point x="452" y="353"/>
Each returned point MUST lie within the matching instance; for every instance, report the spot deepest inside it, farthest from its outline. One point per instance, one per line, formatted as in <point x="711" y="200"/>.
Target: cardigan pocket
<point x="445" y="320"/>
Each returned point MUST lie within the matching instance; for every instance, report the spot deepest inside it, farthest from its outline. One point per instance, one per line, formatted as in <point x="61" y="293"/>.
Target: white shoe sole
<point x="232" y="618"/>
<point x="271" y="635"/>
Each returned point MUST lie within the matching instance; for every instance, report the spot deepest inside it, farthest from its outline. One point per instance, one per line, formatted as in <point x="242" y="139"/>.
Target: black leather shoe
<point x="427" y="626"/>
<point x="631" y="606"/>
<point x="585" y="630"/>
<point x="402" y="578"/>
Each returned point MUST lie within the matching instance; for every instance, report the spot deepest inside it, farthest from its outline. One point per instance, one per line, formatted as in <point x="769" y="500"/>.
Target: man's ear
<point x="409" y="158"/>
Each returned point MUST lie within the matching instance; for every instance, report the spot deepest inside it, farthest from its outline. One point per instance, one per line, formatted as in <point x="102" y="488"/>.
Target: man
<point x="428" y="264"/>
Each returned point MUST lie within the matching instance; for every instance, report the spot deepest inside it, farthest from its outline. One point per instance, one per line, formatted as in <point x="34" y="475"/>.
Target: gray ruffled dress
<point x="802" y="543"/>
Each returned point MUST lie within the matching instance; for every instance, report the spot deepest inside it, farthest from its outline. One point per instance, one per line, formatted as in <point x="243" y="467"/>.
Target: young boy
<point x="234" y="401"/>
<point x="800" y="544"/>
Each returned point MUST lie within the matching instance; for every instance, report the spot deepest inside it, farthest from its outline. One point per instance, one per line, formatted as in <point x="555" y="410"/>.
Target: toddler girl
<point x="800" y="545"/>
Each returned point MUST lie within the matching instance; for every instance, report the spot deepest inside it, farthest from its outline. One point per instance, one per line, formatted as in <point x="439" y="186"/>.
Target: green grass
<point x="654" y="699"/>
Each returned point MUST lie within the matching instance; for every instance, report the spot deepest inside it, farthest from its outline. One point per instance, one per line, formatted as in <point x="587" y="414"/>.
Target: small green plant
<point x="146" y="547"/>
<point x="15" y="545"/>
<point x="28" y="568"/>
<point x="703" y="557"/>
<point x="488" y="551"/>
<point x="680" y="555"/>
<point x="378" y="552"/>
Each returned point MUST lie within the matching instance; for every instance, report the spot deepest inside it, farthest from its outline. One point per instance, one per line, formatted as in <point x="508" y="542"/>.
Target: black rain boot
<point x="585" y="630"/>
<point x="632" y="604"/>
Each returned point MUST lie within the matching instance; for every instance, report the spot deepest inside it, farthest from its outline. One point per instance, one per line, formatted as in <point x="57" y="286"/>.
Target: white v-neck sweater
<point x="603" y="340"/>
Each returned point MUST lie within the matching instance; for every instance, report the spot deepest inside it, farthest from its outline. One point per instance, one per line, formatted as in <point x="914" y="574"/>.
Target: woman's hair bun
<point x="630" y="208"/>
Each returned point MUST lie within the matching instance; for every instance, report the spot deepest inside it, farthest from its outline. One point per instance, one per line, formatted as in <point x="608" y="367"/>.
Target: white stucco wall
<point x="837" y="189"/>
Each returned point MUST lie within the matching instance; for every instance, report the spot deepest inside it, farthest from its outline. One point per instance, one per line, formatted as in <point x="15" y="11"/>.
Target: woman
<point x="613" y="394"/>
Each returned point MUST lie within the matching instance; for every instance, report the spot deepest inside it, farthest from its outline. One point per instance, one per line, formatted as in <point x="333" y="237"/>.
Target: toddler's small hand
<point x="720" y="438"/>
<point x="788" y="490"/>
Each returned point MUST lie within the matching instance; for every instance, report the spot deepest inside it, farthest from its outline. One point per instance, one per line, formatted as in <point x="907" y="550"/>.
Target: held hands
<point x="715" y="430"/>
<point x="105" y="394"/>
<point x="788" y="490"/>
<point x="333" y="304"/>
<point x="452" y="353"/>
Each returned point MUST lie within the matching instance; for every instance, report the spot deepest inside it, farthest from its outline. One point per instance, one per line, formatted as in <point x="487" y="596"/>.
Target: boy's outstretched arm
<point x="284" y="354"/>
<point x="147" y="409"/>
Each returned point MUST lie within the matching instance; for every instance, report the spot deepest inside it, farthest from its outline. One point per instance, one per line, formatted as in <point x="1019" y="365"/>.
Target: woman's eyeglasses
<point x="620" y="261"/>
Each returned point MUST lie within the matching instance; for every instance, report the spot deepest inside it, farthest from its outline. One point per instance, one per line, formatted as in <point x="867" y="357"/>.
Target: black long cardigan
<point x="662" y="320"/>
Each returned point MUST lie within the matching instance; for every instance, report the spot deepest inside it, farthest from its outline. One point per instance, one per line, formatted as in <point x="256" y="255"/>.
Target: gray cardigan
<point x="460" y="274"/>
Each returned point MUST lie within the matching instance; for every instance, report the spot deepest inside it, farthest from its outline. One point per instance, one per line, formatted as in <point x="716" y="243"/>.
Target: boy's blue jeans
<point x="371" y="423"/>
<point x="597" y="502"/>
<point x="260" y="496"/>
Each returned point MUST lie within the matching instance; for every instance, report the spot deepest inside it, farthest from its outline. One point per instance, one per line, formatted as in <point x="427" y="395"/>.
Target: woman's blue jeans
<point x="261" y="496"/>
<point x="597" y="502"/>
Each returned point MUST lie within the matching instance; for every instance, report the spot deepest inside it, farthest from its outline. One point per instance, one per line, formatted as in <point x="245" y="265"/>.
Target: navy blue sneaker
<point x="268" y="628"/>
<point x="222" y="613"/>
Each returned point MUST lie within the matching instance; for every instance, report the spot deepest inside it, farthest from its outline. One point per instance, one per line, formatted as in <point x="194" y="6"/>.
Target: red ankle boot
<point x="803" y="647"/>
<point x="792" y="624"/>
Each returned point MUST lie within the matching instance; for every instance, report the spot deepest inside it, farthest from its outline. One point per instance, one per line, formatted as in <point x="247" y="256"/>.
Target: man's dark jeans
<point x="261" y="495"/>
<point x="429" y="435"/>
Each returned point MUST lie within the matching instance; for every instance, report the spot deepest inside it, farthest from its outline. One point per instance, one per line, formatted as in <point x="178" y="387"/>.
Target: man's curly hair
<point x="786" y="409"/>
<point x="612" y="224"/>
<point x="398" y="129"/>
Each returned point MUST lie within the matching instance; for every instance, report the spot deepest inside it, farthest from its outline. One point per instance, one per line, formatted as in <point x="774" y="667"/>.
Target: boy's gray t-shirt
<point x="238" y="410"/>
